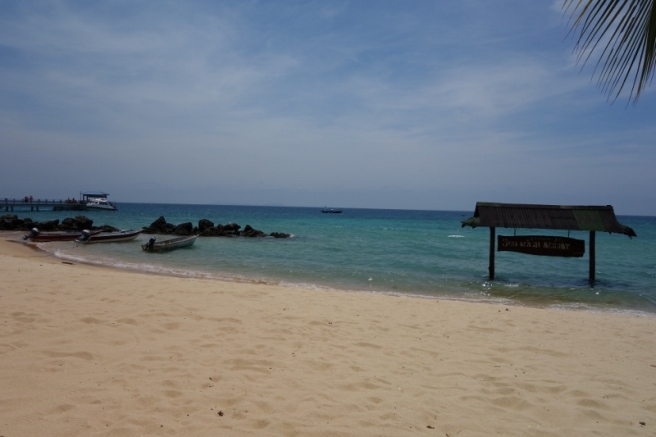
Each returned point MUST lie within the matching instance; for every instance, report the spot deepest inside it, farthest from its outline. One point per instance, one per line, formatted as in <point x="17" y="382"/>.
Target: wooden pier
<point x="41" y="204"/>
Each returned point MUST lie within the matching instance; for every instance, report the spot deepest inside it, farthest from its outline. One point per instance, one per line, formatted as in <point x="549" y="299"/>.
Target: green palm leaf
<point x="624" y="31"/>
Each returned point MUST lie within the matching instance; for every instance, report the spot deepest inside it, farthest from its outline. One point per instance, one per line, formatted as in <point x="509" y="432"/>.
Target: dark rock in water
<point x="184" y="229"/>
<point x="204" y="224"/>
<point x="208" y="231"/>
<point x="79" y="223"/>
<point x="68" y="224"/>
<point x="50" y="226"/>
<point x="106" y="228"/>
<point x="213" y="231"/>
<point x="159" y="226"/>
<point x="231" y="228"/>
<point x="11" y="222"/>
<point x="160" y="222"/>
<point x="83" y="223"/>
<point x="250" y="232"/>
<point x="206" y="228"/>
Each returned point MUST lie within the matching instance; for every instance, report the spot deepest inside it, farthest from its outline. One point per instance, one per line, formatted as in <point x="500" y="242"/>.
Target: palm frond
<point x="623" y="32"/>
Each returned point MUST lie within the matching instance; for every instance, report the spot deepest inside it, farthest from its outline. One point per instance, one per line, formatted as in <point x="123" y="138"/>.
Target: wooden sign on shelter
<point x="545" y="245"/>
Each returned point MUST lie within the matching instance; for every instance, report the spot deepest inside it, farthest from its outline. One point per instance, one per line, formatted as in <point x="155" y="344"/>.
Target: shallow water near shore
<point x="421" y="253"/>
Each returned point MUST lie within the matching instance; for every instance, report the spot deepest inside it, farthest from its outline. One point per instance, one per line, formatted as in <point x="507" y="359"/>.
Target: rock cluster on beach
<point x="11" y="222"/>
<point x="207" y="228"/>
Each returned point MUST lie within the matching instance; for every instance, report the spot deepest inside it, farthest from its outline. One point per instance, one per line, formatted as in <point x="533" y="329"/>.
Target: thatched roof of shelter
<point x="571" y="218"/>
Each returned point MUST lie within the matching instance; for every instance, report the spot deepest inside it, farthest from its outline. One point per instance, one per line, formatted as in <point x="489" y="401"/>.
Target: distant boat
<point x="97" y="200"/>
<point x="107" y="237"/>
<point x="331" y="211"/>
<point x="174" y="243"/>
<point x="43" y="237"/>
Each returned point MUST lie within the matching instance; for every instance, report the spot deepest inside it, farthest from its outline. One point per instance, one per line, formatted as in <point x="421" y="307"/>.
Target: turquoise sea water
<point x="424" y="253"/>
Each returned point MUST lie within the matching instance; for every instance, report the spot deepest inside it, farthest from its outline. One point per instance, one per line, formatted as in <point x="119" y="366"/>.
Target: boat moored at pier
<point x="97" y="200"/>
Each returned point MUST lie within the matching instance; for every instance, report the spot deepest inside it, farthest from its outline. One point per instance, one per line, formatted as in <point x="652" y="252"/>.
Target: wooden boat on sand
<point x="42" y="237"/>
<point x="107" y="237"/>
<point x="174" y="243"/>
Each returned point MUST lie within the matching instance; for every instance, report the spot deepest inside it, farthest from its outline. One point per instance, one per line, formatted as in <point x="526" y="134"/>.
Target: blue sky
<point x="377" y="104"/>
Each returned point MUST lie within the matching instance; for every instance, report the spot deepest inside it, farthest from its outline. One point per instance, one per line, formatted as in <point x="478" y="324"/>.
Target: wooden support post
<point x="592" y="258"/>
<point x="492" y="246"/>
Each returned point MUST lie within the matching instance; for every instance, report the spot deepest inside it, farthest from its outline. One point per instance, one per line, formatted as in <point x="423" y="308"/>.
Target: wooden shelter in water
<point x="554" y="217"/>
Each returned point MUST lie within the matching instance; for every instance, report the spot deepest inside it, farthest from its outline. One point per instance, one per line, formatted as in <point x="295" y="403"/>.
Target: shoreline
<point x="95" y="351"/>
<point x="572" y="306"/>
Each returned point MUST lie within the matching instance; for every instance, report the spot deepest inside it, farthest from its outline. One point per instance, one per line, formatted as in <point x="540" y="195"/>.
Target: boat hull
<point x="104" y="208"/>
<point x="110" y="237"/>
<point x="105" y="205"/>
<point x="45" y="237"/>
<point x="172" y="244"/>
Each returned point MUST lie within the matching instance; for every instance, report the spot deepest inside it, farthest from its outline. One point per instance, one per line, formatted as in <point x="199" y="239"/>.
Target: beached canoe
<point x="107" y="237"/>
<point x="42" y="237"/>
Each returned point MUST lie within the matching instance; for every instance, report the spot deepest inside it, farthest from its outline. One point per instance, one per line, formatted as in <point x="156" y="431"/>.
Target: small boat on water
<point x="42" y="237"/>
<point x="101" y="203"/>
<point x="174" y="243"/>
<point x="107" y="237"/>
<point x="97" y="200"/>
<point x="331" y="211"/>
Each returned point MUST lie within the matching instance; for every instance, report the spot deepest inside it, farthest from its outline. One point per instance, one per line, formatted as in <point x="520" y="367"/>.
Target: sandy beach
<point x="88" y="351"/>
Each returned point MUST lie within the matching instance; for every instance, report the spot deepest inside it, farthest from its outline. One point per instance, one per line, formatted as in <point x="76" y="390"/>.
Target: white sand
<point x="86" y="351"/>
